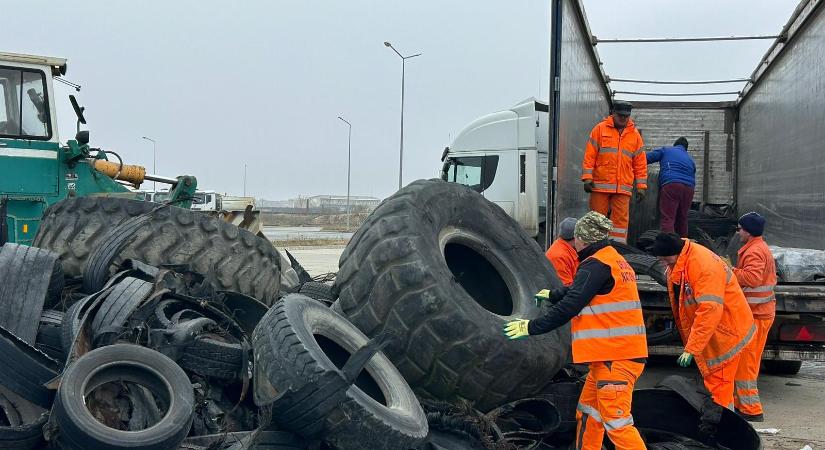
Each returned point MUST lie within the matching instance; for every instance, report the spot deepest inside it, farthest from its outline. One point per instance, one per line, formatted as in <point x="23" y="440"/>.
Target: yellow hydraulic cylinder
<point x="127" y="172"/>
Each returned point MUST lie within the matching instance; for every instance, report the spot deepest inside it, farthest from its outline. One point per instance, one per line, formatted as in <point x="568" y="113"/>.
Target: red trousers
<point x="746" y="395"/>
<point x="674" y="203"/>
<point x="604" y="405"/>
<point x="617" y="208"/>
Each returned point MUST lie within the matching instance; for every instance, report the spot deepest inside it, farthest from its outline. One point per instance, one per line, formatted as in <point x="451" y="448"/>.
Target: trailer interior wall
<point x="781" y="129"/>
<point x="583" y="102"/>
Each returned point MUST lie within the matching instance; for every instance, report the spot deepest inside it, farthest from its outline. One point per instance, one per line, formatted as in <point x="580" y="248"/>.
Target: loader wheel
<point x="445" y="269"/>
<point x="298" y="346"/>
<point x="112" y="365"/>
<point x="29" y="279"/>
<point x="234" y="259"/>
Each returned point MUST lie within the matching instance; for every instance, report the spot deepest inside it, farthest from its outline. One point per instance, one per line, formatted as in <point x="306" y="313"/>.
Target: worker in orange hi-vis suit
<point x="562" y="254"/>
<point x="756" y="272"/>
<point x="710" y="311"/>
<point x="613" y="164"/>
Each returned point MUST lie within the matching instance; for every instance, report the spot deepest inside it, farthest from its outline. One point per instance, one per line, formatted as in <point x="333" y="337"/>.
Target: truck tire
<point x="780" y="367"/>
<point x="647" y="265"/>
<point x="25" y="422"/>
<point x="445" y="269"/>
<point x="299" y="344"/>
<point x="29" y="279"/>
<point x="116" y="308"/>
<point x="79" y="429"/>
<point x="235" y="259"/>
<point x="25" y="370"/>
<point x="49" y="340"/>
<point x="211" y="357"/>
<point x="319" y="291"/>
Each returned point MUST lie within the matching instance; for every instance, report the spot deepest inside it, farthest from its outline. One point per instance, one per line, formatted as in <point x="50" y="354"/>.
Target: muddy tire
<point x="29" y="279"/>
<point x="299" y="346"/>
<point x="79" y="429"/>
<point x="235" y="259"/>
<point x="445" y="269"/>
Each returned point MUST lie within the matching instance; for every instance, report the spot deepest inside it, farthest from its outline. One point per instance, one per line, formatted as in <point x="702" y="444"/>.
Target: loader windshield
<point x="24" y="111"/>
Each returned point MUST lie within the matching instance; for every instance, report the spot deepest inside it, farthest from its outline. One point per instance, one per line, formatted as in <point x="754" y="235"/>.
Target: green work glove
<point x="542" y="295"/>
<point x="685" y="359"/>
<point x="516" y="329"/>
<point x="588" y="186"/>
<point x="640" y="195"/>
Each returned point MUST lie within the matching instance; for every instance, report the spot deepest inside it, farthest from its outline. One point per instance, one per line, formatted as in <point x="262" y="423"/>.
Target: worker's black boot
<point x="751" y="417"/>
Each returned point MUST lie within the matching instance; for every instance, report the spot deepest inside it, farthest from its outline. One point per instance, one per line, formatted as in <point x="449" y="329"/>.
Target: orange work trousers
<point x="746" y="394"/>
<point x="604" y="405"/>
<point x="720" y="382"/>
<point x="617" y="208"/>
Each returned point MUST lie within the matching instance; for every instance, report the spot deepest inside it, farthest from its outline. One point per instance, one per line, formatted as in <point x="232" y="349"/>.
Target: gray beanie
<point x="593" y="227"/>
<point x="566" y="228"/>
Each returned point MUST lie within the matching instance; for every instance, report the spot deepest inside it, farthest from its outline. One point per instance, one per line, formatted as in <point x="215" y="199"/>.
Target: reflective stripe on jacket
<point x="711" y="313"/>
<point x="756" y="273"/>
<point x="615" y="162"/>
<point x="564" y="259"/>
<point x="611" y="326"/>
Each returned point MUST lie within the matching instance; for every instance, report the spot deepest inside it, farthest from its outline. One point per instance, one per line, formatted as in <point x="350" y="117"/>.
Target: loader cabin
<point x="26" y="112"/>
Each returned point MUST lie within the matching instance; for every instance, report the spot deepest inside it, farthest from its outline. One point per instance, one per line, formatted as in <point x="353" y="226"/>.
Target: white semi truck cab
<point x="503" y="156"/>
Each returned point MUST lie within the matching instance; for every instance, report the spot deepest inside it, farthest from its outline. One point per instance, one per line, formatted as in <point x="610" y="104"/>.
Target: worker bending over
<point x="613" y="163"/>
<point x="677" y="179"/>
<point x="710" y="310"/>
<point x="756" y="272"/>
<point x="605" y="313"/>
<point x="562" y="254"/>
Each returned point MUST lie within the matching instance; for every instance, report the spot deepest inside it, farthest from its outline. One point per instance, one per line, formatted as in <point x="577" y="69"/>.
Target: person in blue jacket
<point x="677" y="180"/>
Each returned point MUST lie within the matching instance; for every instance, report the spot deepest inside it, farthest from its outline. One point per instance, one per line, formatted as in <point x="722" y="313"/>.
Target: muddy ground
<point x="793" y="404"/>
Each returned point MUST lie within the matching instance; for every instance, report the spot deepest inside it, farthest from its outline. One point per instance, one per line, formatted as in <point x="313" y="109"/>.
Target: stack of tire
<point x="441" y="270"/>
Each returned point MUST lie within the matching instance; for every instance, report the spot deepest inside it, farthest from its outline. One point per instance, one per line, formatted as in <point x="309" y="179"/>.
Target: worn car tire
<point x="79" y="429"/>
<point x="24" y="370"/>
<point x="779" y="367"/>
<point x="25" y="422"/>
<point x="235" y="259"/>
<point x="49" y="337"/>
<point x="116" y="308"/>
<point x="300" y="343"/>
<point x="29" y="279"/>
<point x="647" y="265"/>
<point x="318" y="291"/>
<point x="445" y="269"/>
<point x="211" y="357"/>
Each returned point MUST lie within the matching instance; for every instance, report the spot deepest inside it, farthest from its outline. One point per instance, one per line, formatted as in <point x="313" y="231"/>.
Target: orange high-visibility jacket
<point x="564" y="259"/>
<point x="615" y="162"/>
<point x="611" y="326"/>
<point x="756" y="272"/>
<point x="711" y="313"/>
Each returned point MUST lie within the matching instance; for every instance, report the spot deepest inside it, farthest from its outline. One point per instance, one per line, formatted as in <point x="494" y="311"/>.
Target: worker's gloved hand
<point x="640" y="195"/>
<point x="685" y="359"/>
<point x="543" y="295"/>
<point x="516" y="329"/>
<point x="588" y="186"/>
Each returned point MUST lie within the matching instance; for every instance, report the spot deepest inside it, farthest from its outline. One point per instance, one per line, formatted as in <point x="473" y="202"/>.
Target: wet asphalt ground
<point x="793" y="404"/>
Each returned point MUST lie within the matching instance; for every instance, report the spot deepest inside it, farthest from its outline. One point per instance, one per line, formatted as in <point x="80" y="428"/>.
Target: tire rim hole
<point x="339" y="356"/>
<point x="125" y="404"/>
<point x="479" y="278"/>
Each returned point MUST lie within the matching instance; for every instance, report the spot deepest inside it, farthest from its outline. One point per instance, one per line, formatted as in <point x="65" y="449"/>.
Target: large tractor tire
<point x="235" y="259"/>
<point x="443" y="270"/>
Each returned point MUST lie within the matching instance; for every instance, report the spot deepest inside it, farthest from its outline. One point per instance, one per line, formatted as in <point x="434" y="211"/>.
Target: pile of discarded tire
<point x="132" y="325"/>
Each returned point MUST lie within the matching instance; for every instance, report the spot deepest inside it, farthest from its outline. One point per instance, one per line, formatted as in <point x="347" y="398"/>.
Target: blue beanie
<point x="753" y="223"/>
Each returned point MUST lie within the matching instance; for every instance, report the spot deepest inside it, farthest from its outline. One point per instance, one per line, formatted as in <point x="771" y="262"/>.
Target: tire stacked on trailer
<point x="443" y="269"/>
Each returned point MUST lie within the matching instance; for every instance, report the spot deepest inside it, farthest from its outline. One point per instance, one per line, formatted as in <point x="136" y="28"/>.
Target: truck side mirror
<point x="82" y="137"/>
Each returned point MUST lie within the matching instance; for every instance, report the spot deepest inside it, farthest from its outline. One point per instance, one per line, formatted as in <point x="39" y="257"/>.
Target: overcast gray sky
<point x="262" y="83"/>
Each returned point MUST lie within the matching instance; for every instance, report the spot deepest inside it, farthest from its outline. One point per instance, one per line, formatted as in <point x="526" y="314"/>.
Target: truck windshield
<point x="24" y="110"/>
<point x="475" y="172"/>
<point x="199" y="198"/>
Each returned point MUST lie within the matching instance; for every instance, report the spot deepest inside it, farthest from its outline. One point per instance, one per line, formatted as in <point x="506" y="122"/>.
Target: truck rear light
<point x="802" y="333"/>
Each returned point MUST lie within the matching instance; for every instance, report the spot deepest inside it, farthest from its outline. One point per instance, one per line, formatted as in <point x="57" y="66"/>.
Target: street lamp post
<point x="349" y="153"/>
<point x="401" y="146"/>
<point x="154" y="160"/>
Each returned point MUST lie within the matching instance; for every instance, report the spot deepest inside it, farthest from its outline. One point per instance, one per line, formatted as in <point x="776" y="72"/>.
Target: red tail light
<point x="802" y="333"/>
